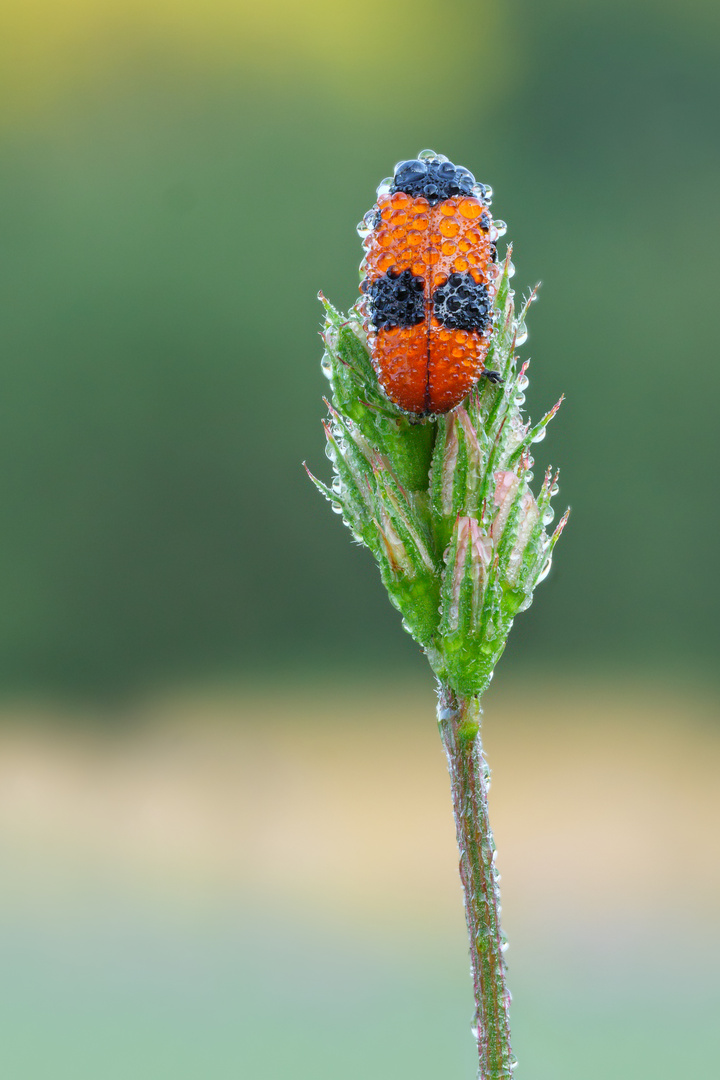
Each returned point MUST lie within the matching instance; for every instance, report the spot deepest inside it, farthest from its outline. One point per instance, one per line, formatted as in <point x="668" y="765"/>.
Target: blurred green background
<point x="234" y="887"/>
<point x="179" y="180"/>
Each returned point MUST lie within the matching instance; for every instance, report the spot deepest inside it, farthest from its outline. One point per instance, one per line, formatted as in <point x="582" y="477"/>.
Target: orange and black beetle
<point x="428" y="283"/>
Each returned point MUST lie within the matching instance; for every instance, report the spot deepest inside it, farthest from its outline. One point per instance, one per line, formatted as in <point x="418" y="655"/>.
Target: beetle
<point x="428" y="282"/>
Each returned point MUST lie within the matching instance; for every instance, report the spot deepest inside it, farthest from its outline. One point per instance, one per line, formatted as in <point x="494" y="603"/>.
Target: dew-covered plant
<point x="444" y="503"/>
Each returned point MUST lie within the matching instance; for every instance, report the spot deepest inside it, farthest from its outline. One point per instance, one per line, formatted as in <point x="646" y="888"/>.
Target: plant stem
<point x="459" y="722"/>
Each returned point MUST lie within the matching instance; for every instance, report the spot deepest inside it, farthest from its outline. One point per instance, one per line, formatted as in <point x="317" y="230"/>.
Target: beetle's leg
<point x="492" y="376"/>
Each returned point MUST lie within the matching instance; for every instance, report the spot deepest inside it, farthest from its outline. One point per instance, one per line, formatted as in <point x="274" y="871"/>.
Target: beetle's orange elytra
<point x="428" y="283"/>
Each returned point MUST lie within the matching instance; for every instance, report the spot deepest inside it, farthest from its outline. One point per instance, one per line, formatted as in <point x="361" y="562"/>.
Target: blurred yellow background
<point x="225" y="826"/>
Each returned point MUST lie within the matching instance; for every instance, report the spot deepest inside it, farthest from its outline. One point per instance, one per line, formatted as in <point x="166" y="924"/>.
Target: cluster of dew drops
<point x="484" y="193"/>
<point x="522" y="382"/>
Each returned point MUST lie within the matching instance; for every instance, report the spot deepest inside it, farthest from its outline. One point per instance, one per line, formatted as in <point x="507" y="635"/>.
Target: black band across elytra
<point x="462" y="303"/>
<point x="396" y="300"/>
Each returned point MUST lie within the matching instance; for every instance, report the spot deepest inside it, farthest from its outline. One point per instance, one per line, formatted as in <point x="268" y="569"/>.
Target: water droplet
<point x="540" y="435"/>
<point x="521" y="333"/>
<point x="522" y="382"/>
<point x="500" y="227"/>
<point x="406" y="626"/>
<point x="555" y="489"/>
<point x="544" y="572"/>
<point x="384" y="187"/>
<point x="330" y="336"/>
<point x="519" y="399"/>
<point x="510" y="268"/>
<point x="326" y="366"/>
<point x="368" y="223"/>
<point x="329" y="451"/>
<point x="427" y="155"/>
<point x="548" y="516"/>
<point x="336" y="508"/>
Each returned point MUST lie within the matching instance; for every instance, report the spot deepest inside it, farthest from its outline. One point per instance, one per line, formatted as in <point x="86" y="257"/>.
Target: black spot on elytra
<point x="462" y="304"/>
<point x="396" y="300"/>
<point x="435" y="180"/>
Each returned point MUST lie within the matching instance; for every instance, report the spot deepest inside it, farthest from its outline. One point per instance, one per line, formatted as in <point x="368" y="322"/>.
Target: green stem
<point x="459" y="723"/>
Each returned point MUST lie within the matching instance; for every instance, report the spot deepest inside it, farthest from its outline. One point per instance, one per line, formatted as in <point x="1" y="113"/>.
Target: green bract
<point x="444" y="503"/>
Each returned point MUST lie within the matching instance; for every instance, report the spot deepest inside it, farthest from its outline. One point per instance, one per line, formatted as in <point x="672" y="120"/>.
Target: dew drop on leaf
<point x="544" y="572"/>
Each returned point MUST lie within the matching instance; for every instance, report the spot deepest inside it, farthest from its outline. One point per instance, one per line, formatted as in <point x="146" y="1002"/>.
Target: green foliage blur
<point x="166" y="220"/>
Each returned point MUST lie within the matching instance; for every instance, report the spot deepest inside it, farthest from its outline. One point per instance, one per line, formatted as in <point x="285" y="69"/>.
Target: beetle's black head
<point x="434" y="178"/>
